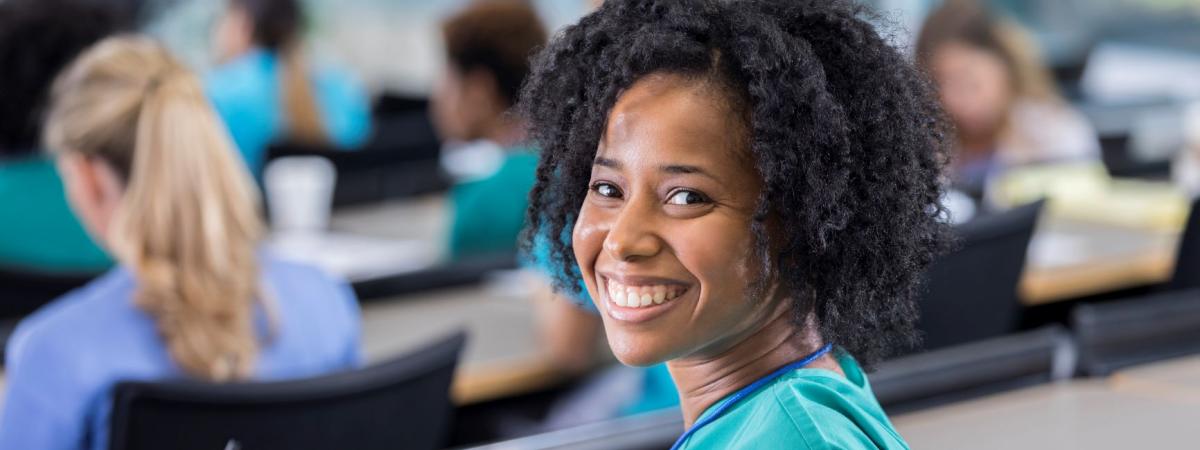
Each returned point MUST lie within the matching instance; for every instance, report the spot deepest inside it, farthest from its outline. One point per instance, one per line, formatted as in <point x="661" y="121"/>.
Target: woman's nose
<point x="633" y="235"/>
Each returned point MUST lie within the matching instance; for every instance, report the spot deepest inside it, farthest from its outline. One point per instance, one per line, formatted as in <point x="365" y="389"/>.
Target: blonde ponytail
<point x="304" y="118"/>
<point x="189" y="224"/>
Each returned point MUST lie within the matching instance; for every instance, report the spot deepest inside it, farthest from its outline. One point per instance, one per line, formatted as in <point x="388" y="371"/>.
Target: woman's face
<point x="462" y="103"/>
<point x="232" y="34"/>
<point x="663" y="238"/>
<point x="974" y="85"/>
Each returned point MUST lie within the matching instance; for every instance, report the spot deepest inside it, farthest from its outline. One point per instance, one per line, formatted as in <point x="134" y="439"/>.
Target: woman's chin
<point x="630" y="352"/>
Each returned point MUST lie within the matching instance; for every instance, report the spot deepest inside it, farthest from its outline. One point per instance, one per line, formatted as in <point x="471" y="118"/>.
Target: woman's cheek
<point x="588" y="241"/>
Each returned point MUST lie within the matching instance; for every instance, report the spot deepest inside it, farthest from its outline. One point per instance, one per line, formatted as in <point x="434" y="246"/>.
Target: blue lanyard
<point x="743" y="392"/>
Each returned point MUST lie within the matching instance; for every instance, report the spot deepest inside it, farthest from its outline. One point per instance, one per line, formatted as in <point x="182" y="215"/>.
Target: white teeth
<point x="642" y="296"/>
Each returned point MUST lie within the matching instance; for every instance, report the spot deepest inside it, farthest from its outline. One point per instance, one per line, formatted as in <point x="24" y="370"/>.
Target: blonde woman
<point x="150" y="172"/>
<point x="999" y="95"/>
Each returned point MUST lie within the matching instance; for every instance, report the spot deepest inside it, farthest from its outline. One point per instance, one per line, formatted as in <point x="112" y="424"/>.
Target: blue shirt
<point x="246" y="93"/>
<point x="64" y="359"/>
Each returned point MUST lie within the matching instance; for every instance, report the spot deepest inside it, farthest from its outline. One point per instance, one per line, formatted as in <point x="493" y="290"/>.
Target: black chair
<point x="655" y="430"/>
<point x="1187" y="260"/>
<point x="971" y="292"/>
<point x="463" y="272"/>
<point x="399" y="404"/>
<point x="1120" y="334"/>
<point x="972" y="370"/>
<point x="377" y="171"/>
<point x="23" y="292"/>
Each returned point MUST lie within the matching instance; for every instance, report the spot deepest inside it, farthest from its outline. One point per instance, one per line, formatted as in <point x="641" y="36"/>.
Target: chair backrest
<point x="655" y="430"/>
<point x="462" y="272"/>
<point x="1187" y="260"/>
<point x="975" y="369"/>
<point x="23" y="292"/>
<point x="1136" y="331"/>
<point x="381" y="170"/>
<point x="403" y="403"/>
<point x="971" y="292"/>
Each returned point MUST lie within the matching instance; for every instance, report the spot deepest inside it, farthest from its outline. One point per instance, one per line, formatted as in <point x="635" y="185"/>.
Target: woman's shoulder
<point x="71" y="334"/>
<point x="303" y="279"/>
<point x="305" y="287"/>
<point x="85" y="305"/>
<point x="808" y="409"/>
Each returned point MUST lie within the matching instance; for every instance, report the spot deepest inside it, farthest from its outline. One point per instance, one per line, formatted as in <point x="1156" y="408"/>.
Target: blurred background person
<point x="37" y="39"/>
<point x="487" y="50"/>
<point x="267" y="91"/>
<point x="151" y="173"/>
<point x="999" y="95"/>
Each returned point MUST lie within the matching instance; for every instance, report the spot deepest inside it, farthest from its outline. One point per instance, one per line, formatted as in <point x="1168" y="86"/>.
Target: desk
<point x="420" y="218"/>
<point x="1070" y="259"/>
<point x="1079" y="414"/>
<point x="1176" y="378"/>
<point x="503" y="356"/>
<point x="374" y="242"/>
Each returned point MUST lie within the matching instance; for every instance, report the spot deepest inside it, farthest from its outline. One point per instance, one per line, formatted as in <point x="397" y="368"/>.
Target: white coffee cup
<point x="300" y="193"/>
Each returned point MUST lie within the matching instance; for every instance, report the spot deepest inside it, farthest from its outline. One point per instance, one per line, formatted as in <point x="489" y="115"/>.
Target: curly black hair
<point x="846" y="134"/>
<point x="37" y="39"/>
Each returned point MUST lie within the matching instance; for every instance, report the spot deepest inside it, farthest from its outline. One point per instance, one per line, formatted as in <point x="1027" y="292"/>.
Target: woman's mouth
<point x="639" y="299"/>
<point x="643" y="295"/>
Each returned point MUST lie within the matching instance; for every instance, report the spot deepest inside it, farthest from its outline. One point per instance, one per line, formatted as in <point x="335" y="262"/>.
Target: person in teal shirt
<point x="38" y="233"/>
<point x="487" y="48"/>
<point x="750" y="189"/>
<point x="265" y="91"/>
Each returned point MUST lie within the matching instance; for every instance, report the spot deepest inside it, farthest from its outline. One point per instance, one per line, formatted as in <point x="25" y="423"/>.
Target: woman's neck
<point x="702" y="381"/>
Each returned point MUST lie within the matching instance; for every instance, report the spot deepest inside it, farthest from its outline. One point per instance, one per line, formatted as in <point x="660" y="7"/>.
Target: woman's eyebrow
<point x="606" y="162"/>
<point x="679" y="169"/>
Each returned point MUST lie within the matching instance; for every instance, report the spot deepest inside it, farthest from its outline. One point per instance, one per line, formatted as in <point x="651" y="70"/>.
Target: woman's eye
<point x="685" y="198"/>
<point x="606" y="190"/>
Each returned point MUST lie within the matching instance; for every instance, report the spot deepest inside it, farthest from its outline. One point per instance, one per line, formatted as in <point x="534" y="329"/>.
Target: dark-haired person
<point x="266" y="91"/>
<point x="37" y="39"/>
<point x="488" y="45"/>
<point x="751" y="189"/>
<point x="1002" y="100"/>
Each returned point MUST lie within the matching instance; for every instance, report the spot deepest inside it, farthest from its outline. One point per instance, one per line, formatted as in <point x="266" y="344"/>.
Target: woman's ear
<point x="93" y="190"/>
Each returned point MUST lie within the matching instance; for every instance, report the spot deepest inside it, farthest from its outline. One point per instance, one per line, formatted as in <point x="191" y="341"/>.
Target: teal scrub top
<point x="247" y="95"/>
<point x="488" y="214"/>
<point x="38" y="231"/>
<point x="804" y="409"/>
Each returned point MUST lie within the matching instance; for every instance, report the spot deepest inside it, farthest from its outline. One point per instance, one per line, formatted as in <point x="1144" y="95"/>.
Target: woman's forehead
<point x="669" y="118"/>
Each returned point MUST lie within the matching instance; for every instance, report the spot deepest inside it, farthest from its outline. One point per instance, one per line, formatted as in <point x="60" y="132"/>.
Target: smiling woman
<point x="750" y="189"/>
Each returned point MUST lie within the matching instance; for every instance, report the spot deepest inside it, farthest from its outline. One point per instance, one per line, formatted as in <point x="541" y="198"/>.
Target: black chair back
<point x="655" y="430"/>
<point x="1187" y="260"/>
<point x="971" y="292"/>
<point x="975" y="369"/>
<point x="23" y="292"/>
<point x="1120" y="334"/>
<point x="403" y="403"/>
<point x="466" y="271"/>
